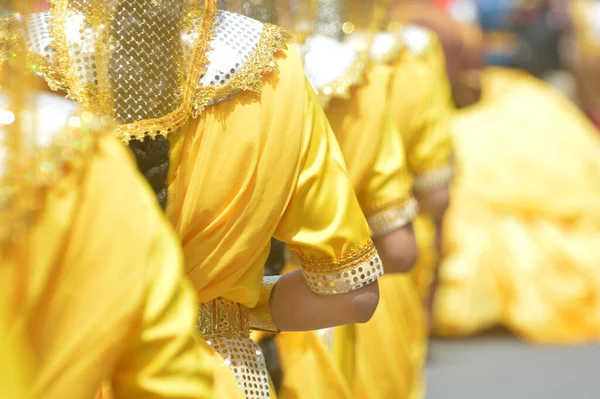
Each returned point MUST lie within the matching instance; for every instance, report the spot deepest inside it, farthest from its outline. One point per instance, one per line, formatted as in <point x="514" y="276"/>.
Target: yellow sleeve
<point x="430" y="155"/>
<point x="387" y="199"/>
<point x="164" y="358"/>
<point x="323" y="221"/>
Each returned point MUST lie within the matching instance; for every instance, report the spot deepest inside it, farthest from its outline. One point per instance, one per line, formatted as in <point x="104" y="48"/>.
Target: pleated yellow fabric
<point x="309" y="370"/>
<point x="398" y="324"/>
<point x="96" y="290"/>
<point x="423" y="120"/>
<point x="523" y="230"/>
<point x="390" y="348"/>
<point x="15" y="362"/>
<point x="421" y="106"/>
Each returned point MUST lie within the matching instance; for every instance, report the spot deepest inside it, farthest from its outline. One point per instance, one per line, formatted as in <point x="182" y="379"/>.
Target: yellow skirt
<point x="391" y="348"/>
<point x="309" y="370"/>
<point x="523" y="231"/>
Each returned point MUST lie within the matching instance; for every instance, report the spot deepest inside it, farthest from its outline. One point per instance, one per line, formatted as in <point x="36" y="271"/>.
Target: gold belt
<point x="223" y="318"/>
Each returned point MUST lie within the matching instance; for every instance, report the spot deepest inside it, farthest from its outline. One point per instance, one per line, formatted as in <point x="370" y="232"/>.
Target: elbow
<point x="398" y="250"/>
<point x="364" y="302"/>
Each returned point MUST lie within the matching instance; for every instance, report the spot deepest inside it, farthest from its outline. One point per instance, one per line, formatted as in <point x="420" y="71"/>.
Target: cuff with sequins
<point x="434" y="179"/>
<point x="393" y="216"/>
<point x="259" y="317"/>
<point x="350" y="272"/>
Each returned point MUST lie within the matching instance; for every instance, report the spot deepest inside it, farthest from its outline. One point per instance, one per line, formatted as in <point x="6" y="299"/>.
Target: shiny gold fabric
<point x="522" y="239"/>
<point x="322" y="364"/>
<point x="423" y="118"/>
<point x="372" y="148"/>
<point x="370" y="375"/>
<point x="99" y="53"/>
<point x="226" y="234"/>
<point x="140" y="335"/>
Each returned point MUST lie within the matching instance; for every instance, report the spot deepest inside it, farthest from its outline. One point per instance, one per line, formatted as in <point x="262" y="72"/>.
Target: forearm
<point x="294" y="307"/>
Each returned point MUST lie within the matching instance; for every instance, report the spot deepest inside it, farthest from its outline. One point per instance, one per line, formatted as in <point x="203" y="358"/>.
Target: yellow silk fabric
<point x="391" y="347"/>
<point x="377" y="168"/>
<point x="422" y="108"/>
<point x="15" y="367"/>
<point x="257" y="166"/>
<point x="96" y="290"/>
<point x="380" y="175"/>
<point x="309" y="370"/>
<point x="370" y="143"/>
<point x="421" y="105"/>
<point x="523" y="229"/>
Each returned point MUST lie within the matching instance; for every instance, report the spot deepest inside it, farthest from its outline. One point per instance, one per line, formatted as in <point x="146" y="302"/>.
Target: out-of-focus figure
<point x="523" y="230"/>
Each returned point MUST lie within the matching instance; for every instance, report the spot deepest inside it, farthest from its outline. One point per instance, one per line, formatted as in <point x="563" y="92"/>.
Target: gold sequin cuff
<point x="393" y="217"/>
<point x="434" y="179"/>
<point x="259" y="317"/>
<point x="350" y="272"/>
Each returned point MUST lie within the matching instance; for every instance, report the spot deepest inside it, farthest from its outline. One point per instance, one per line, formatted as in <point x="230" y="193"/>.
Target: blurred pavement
<point x="498" y="366"/>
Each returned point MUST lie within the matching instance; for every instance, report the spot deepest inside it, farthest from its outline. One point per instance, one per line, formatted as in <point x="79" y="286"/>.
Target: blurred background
<point x="557" y="41"/>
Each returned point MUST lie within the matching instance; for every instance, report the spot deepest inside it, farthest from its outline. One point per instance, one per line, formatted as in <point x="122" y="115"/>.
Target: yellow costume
<point x="356" y="107"/>
<point x="423" y="121"/>
<point x="87" y="300"/>
<point x="258" y="160"/>
<point x="354" y="92"/>
<point x="522" y="239"/>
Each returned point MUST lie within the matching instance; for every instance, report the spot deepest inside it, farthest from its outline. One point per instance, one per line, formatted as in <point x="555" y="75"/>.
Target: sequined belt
<point x="223" y="318"/>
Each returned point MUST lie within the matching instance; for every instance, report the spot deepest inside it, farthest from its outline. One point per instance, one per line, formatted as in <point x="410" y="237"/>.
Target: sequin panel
<point x="236" y="40"/>
<point x="346" y="281"/>
<point x="39" y="39"/>
<point x="82" y="49"/>
<point x="245" y="359"/>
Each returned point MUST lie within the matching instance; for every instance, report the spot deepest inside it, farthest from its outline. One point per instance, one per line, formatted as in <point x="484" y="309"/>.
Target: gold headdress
<point x="138" y="61"/>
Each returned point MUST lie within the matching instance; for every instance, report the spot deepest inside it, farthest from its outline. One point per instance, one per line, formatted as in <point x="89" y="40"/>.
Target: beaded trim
<point x="79" y="90"/>
<point x="434" y="179"/>
<point x="251" y="76"/>
<point x="223" y="318"/>
<point x="393" y="216"/>
<point x="348" y="273"/>
<point x="196" y="95"/>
